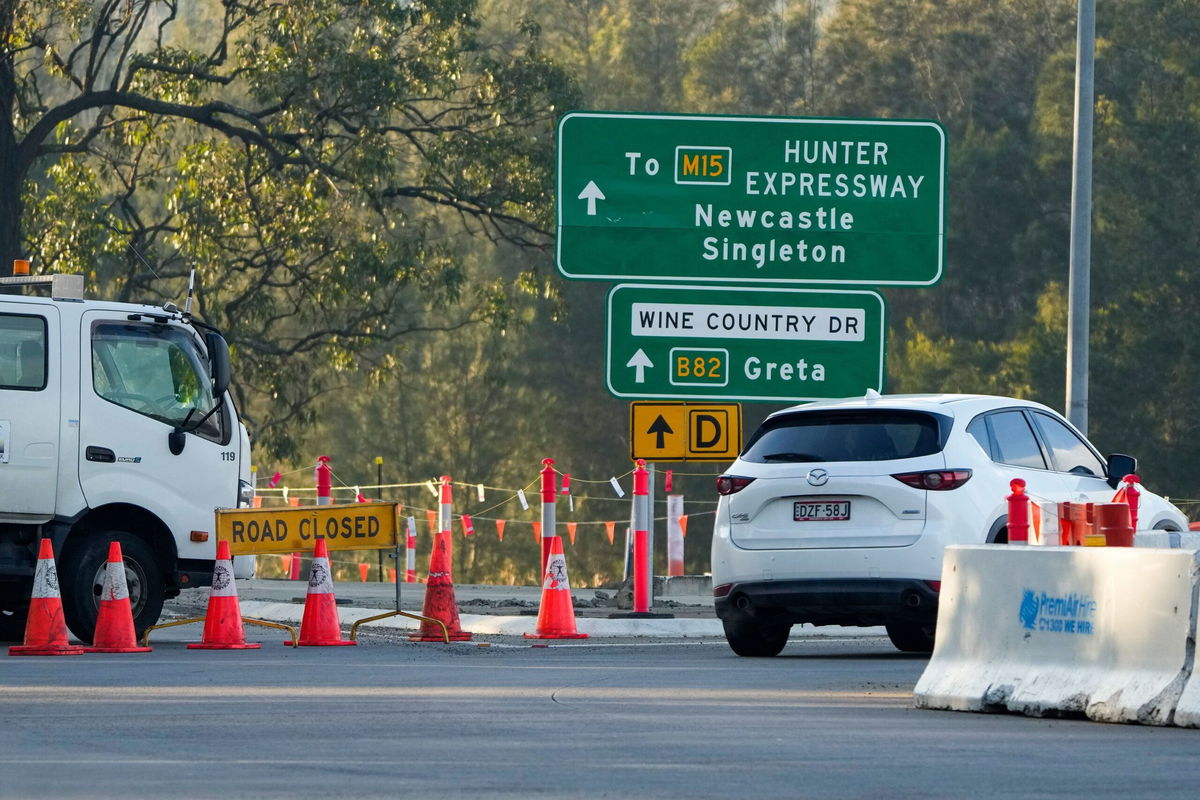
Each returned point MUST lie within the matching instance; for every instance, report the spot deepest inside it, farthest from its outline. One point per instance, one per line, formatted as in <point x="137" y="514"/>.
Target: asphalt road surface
<point x="588" y="719"/>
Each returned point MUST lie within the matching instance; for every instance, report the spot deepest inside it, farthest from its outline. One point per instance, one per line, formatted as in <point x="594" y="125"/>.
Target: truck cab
<point x="115" y="425"/>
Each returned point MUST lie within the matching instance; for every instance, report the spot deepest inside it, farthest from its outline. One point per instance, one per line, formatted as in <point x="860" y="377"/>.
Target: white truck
<point x="115" y="424"/>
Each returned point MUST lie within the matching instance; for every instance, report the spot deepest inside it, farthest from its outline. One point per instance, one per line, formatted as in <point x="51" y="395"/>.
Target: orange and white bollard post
<point x="548" y="509"/>
<point x="410" y="556"/>
<point x="674" y="529"/>
<point x="1018" y="513"/>
<point x="324" y="476"/>
<point x="444" y="520"/>
<point x="1132" y="497"/>
<point x="641" y="538"/>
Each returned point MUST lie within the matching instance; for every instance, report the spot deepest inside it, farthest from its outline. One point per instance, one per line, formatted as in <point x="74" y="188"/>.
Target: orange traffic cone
<point x="439" y="599"/>
<point x="320" y="627"/>
<point x="45" y="630"/>
<point x="114" y="624"/>
<point x="556" y="615"/>
<point x="223" y="621"/>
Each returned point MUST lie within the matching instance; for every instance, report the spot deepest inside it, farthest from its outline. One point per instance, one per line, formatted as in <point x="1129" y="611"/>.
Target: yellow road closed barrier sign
<point x="356" y="526"/>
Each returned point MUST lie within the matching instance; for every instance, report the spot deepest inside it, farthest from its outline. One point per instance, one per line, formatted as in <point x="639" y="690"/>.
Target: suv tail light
<point x="732" y="484"/>
<point x="937" y="480"/>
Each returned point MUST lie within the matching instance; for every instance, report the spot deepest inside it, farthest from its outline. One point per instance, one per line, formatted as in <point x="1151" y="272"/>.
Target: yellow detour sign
<point x="685" y="431"/>
<point x="356" y="526"/>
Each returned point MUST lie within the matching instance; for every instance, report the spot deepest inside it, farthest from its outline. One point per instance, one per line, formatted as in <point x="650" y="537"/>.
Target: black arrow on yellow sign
<point x="660" y="428"/>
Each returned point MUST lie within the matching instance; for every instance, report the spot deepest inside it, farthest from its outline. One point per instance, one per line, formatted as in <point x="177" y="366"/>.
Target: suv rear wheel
<point x="753" y="639"/>
<point x="911" y="637"/>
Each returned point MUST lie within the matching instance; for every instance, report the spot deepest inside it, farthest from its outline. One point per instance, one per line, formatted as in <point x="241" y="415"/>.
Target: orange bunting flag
<point x="364" y="570"/>
<point x="256" y="501"/>
<point x="683" y="525"/>
<point x="468" y="527"/>
<point x="500" y="529"/>
<point x="537" y="531"/>
<point x="609" y="527"/>
<point x="285" y="563"/>
<point x="433" y="525"/>
<point x="295" y="501"/>
<point x="571" y="530"/>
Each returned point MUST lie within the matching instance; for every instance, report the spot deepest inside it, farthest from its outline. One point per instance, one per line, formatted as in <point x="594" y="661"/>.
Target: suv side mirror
<point x="1120" y="465"/>
<point x="218" y="356"/>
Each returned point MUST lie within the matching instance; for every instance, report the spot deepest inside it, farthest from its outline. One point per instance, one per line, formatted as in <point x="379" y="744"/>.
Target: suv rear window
<point x="882" y="435"/>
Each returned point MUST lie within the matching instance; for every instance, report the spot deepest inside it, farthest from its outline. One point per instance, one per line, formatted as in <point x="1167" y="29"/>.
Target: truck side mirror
<point x="1120" y="465"/>
<point x="218" y="356"/>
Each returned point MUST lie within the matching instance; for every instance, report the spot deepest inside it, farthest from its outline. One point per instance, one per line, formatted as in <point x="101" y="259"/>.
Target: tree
<point x="758" y="57"/>
<point x="295" y="153"/>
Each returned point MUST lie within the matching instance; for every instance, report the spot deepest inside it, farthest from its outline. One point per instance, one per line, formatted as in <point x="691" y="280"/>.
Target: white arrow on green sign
<point x="751" y="199"/>
<point x="734" y="343"/>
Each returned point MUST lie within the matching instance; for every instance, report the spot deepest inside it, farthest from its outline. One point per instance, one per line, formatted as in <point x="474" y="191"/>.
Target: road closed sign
<point x="358" y="526"/>
<point x="741" y="344"/>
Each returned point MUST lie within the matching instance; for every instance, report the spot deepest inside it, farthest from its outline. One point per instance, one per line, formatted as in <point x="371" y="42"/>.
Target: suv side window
<point x="1014" y="440"/>
<point x="979" y="432"/>
<point x="1067" y="450"/>
<point x="22" y="352"/>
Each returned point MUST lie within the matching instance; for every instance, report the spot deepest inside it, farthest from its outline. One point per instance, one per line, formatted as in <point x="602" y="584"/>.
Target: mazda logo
<point x="817" y="477"/>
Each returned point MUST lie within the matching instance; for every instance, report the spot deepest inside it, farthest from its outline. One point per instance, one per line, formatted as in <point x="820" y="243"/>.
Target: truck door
<point x="30" y="394"/>
<point x="140" y="379"/>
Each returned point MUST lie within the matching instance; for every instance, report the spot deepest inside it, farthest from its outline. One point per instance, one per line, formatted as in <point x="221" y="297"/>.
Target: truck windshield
<point x="155" y="370"/>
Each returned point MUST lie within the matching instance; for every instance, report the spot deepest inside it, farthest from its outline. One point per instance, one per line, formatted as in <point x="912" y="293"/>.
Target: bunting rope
<point x="509" y="495"/>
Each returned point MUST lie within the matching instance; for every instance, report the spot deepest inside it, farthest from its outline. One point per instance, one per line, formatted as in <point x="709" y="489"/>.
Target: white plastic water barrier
<point x="1102" y="631"/>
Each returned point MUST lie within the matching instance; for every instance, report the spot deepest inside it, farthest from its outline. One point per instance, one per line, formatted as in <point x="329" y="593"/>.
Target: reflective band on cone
<point x="320" y="627"/>
<point x="556" y="616"/>
<point x="45" y="629"/>
<point x="114" y="623"/>
<point x="223" y="622"/>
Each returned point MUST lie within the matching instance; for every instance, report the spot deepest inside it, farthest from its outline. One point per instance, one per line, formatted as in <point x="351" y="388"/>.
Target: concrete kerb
<point x="1105" y="632"/>
<point x="502" y="625"/>
<point x="504" y="610"/>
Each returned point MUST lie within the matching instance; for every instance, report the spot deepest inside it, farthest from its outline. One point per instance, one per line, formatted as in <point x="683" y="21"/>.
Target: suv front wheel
<point x="753" y="639"/>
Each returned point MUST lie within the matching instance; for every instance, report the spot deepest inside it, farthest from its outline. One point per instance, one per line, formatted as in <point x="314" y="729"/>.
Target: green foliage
<point x="758" y="56"/>
<point x="323" y="165"/>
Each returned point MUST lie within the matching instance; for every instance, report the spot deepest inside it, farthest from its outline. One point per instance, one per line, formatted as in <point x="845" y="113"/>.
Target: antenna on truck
<point x="142" y="259"/>
<point x="187" y="304"/>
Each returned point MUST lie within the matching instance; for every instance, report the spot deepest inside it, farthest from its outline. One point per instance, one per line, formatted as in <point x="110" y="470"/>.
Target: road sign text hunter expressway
<point x="750" y="199"/>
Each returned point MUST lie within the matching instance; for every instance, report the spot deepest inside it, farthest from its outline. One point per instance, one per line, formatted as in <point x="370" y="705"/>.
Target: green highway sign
<point x="751" y="199"/>
<point x="743" y="344"/>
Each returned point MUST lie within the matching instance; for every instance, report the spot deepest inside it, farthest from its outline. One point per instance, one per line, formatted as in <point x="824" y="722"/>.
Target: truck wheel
<point x="82" y="579"/>
<point x="754" y="639"/>
<point x="12" y="625"/>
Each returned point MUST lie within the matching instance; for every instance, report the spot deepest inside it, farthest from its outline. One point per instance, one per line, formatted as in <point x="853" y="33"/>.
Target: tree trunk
<point x="11" y="182"/>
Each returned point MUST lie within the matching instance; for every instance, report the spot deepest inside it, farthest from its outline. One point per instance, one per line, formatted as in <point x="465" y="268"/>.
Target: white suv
<point x="837" y="512"/>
